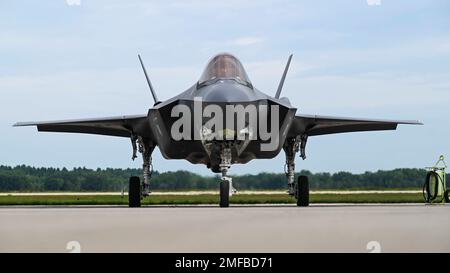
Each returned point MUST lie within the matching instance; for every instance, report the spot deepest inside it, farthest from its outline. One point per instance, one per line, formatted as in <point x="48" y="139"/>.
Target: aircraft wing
<point x="314" y="125"/>
<point x="121" y="126"/>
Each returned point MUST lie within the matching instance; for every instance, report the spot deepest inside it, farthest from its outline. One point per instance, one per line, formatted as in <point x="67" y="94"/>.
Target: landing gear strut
<point x="138" y="190"/>
<point x="226" y="183"/>
<point x="299" y="190"/>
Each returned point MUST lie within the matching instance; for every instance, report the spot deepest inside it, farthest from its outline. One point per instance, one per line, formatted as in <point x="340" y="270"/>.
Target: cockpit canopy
<point x="224" y="66"/>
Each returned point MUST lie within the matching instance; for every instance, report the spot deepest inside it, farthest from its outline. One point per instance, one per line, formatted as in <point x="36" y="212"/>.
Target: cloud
<point x="373" y="2"/>
<point x="73" y="2"/>
<point x="246" y="41"/>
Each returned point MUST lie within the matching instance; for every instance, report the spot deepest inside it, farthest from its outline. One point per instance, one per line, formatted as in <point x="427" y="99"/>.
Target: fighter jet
<point x="221" y="120"/>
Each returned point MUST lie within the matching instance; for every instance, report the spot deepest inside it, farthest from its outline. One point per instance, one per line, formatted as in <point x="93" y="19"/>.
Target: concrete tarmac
<point x="272" y="228"/>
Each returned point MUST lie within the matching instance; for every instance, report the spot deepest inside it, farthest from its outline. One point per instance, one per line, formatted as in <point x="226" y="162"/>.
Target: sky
<point x="66" y="59"/>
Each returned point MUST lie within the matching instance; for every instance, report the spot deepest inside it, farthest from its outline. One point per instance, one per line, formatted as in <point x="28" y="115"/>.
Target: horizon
<point x="212" y="174"/>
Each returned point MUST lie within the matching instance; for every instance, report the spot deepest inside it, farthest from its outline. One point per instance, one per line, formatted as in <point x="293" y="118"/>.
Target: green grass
<point x="211" y="199"/>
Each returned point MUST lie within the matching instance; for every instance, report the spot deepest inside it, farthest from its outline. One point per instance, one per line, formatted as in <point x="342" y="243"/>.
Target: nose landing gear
<point x="226" y="183"/>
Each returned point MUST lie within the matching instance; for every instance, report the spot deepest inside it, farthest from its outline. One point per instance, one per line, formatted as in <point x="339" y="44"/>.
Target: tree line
<point x="32" y="179"/>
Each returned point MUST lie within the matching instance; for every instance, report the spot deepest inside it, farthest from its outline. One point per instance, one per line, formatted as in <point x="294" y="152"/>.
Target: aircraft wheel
<point x="302" y="191"/>
<point x="224" y="194"/>
<point x="447" y="200"/>
<point x="134" y="192"/>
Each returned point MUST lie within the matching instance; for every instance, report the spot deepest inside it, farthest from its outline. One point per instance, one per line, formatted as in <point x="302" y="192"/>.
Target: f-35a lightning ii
<point x="220" y="120"/>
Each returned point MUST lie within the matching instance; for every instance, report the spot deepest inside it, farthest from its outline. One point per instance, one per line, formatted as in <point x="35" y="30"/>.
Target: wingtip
<point x="412" y="122"/>
<point x="20" y="124"/>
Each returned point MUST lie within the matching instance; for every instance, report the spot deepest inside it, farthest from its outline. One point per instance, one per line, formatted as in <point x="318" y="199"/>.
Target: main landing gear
<point x="299" y="189"/>
<point x="137" y="190"/>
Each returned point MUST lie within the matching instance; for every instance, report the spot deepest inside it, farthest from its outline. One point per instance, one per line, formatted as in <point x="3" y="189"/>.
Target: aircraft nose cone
<point x="227" y="93"/>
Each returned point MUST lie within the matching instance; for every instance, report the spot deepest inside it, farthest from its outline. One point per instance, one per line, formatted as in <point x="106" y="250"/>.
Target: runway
<point x="318" y="228"/>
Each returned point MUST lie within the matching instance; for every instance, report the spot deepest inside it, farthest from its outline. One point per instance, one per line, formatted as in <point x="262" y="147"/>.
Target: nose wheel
<point x="224" y="193"/>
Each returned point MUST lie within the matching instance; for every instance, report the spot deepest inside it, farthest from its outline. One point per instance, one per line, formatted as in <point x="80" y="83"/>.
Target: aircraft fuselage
<point x="226" y="110"/>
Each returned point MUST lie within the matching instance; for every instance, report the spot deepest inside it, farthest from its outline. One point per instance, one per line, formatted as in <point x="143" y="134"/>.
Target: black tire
<point x="447" y="200"/>
<point x="302" y="191"/>
<point x="224" y="194"/>
<point x="134" y="192"/>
